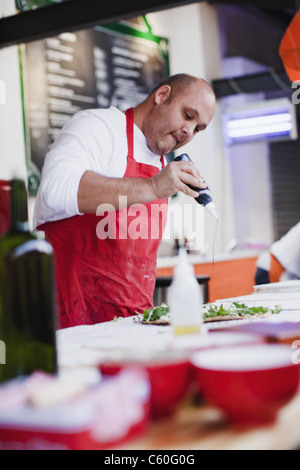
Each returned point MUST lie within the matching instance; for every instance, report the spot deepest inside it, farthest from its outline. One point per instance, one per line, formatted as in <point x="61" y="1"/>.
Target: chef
<point x="102" y="181"/>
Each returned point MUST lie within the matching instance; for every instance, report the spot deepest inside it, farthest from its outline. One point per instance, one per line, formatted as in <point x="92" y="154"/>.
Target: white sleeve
<point x="84" y="144"/>
<point x="287" y="250"/>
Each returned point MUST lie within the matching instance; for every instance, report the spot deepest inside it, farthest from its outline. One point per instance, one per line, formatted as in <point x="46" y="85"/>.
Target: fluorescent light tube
<point x="259" y="121"/>
<point x="269" y="120"/>
<point x="280" y="128"/>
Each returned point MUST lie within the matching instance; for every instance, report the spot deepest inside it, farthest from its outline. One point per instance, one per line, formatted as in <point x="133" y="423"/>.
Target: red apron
<point x="98" y="279"/>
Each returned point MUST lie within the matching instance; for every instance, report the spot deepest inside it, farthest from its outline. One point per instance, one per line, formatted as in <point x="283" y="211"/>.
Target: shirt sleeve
<point x="287" y="250"/>
<point x="84" y="144"/>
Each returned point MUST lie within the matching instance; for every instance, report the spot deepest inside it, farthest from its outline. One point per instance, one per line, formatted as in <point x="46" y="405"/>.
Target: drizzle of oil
<point x="214" y="240"/>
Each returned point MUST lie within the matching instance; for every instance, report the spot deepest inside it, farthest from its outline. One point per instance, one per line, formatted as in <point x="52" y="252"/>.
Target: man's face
<point x="172" y="124"/>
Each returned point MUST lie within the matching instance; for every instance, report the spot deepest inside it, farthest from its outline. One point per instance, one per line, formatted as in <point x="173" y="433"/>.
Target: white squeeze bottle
<point x="185" y="298"/>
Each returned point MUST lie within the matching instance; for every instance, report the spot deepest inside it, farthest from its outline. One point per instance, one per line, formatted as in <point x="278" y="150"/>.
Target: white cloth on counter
<point x="92" y="140"/>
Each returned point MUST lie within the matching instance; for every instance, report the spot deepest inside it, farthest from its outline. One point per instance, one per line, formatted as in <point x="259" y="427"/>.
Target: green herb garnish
<point x="210" y="311"/>
<point x="237" y="309"/>
<point x="156" y="313"/>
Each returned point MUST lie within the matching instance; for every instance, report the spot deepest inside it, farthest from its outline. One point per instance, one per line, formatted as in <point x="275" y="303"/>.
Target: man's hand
<point x="176" y="176"/>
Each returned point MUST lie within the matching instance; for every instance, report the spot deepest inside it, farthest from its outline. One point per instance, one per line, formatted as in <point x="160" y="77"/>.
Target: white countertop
<point x="83" y="348"/>
<point x="88" y="345"/>
<point x="171" y="261"/>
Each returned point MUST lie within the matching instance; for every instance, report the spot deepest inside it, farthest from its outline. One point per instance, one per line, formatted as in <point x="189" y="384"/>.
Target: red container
<point x="169" y="377"/>
<point x="34" y="437"/>
<point x="250" y="384"/>
<point x="104" y="416"/>
<point x="76" y="435"/>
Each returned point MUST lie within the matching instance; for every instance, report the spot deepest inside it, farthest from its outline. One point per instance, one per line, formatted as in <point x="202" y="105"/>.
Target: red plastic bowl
<point x="249" y="383"/>
<point x="169" y="377"/>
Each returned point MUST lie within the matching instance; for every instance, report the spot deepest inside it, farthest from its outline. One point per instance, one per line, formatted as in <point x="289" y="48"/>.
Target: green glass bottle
<point x="27" y="295"/>
<point x="24" y="5"/>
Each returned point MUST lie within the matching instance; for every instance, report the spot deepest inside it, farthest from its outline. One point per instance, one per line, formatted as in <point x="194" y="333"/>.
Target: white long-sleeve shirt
<point x="92" y="140"/>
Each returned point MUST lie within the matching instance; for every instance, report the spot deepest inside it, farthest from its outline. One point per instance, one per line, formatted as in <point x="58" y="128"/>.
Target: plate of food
<point x="236" y="311"/>
<point x="161" y="315"/>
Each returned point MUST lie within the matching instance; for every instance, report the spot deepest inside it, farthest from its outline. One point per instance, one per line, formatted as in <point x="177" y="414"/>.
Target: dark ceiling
<point x="279" y="8"/>
<point x="70" y="15"/>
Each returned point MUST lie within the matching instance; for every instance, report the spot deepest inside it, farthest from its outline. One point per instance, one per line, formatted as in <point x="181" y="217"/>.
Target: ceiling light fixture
<point x="267" y="120"/>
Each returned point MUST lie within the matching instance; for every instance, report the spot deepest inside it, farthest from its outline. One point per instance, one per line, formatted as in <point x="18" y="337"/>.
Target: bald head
<point x="181" y="81"/>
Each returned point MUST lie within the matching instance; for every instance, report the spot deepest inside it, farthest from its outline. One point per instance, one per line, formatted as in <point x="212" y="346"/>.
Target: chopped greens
<point x="237" y="310"/>
<point x="213" y="311"/>
<point x="155" y="313"/>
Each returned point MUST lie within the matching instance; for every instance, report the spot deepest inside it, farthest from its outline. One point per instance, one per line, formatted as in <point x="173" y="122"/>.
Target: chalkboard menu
<point x="100" y="67"/>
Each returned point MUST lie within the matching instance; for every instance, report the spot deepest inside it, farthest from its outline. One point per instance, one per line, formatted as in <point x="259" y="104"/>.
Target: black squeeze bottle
<point x="27" y="295"/>
<point x="205" y="197"/>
